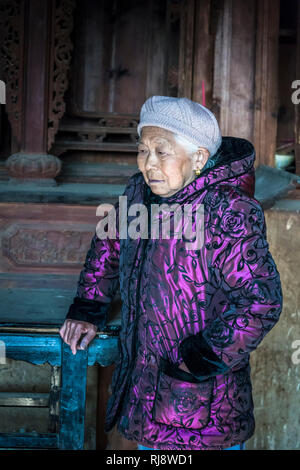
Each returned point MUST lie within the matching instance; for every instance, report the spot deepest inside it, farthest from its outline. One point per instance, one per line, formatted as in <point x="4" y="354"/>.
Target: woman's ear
<point x="200" y="158"/>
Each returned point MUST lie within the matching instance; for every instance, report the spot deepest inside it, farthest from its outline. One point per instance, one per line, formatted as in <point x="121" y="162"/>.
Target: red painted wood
<point x="36" y="73"/>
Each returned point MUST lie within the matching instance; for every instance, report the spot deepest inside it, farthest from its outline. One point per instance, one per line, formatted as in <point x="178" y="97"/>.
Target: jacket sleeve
<point x="244" y="270"/>
<point x="98" y="280"/>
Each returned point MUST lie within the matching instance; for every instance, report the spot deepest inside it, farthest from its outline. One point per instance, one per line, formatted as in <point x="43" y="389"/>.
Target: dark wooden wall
<point x="103" y="59"/>
<point x="96" y="63"/>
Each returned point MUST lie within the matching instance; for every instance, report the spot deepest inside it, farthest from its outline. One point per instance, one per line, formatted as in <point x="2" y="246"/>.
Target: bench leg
<point x="53" y="425"/>
<point x="72" y="398"/>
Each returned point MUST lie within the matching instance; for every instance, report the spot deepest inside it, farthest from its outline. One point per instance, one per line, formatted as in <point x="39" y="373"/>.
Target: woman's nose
<point x="152" y="161"/>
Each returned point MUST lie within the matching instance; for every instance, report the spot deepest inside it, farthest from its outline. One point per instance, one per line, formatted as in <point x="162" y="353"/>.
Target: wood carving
<point x="61" y="49"/>
<point x="45" y="247"/>
<point x="11" y="62"/>
<point x="90" y="136"/>
<point x="118" y="121"/>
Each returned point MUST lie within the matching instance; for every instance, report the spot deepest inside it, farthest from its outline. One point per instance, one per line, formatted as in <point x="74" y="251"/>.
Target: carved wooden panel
<point x="45" y="238"/>
<point x="91" y="131"/>
<point x="61" y="48"/>
<point x="45" y="246"/>
<point x="12" y="64"/>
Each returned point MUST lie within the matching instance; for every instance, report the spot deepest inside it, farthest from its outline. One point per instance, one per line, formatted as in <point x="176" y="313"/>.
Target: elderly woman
<point x="190" y="317"/>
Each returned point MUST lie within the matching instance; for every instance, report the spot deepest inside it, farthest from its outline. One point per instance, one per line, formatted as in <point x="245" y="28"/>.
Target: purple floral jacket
<point x="209" y="307"/>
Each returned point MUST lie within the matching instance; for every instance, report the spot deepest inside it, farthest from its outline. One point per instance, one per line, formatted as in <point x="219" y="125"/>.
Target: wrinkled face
<point x="166" y="166"/>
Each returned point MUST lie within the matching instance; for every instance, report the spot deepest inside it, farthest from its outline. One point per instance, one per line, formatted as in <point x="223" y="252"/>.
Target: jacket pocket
<point x="180" y="399"/>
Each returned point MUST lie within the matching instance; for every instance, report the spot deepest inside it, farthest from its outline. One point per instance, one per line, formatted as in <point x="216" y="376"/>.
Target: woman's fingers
<point x="72" y="330"/>
<point x="63" y="330"/>
<point x="74" y="338"/>
<point x="87" y="339"/>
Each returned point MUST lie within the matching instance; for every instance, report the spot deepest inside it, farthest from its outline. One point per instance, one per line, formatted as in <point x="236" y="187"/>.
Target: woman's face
<point x="166" y="166"/>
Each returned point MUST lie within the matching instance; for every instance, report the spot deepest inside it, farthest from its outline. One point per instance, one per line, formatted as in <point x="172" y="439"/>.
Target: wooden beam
<point x="26" y="440"/>
<point x="203" y="54"/>
<point x="186" y="49"/>
<point x="44" y="330"/>
<point x="297" y="106"/>
<point x="266" y="82"/>
<point x="63" y="145"/>
<point x="36" y="80"/>
<point x="34" y="349"/>
<point x="157" y="34"/>
<point x="24" y="399"/>
<point x="222" y="58"/>
<point x="54" y="396"/>
<point x="104" y="380"/>
<point x="234" y="71"/>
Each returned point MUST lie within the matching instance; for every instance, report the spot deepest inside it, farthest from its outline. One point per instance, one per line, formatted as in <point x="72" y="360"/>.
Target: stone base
<point x="33" y="166"/>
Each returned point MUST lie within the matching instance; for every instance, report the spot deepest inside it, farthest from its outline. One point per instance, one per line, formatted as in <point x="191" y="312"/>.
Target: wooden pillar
<point x="245" y="86"/>
<point x="266" y="81"/>
<point x="32" y="162"/>
<point x="297" y="106"/>
<point x="196" y="51"/>
<point x="104" y="380"/>
<point x="12" y="18"/>
<point x="234" y="71"/>
<point x="186" y="49"/>
<point x="35" y="57"/>
<point x="72" y="398"/>
<point x="36" y="77"/>
<point x="203" y="53"/>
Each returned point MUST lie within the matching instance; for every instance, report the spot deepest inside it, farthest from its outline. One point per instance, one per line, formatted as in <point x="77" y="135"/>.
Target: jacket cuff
<point x="200" y="359"/>
<point x="91" y="311"/>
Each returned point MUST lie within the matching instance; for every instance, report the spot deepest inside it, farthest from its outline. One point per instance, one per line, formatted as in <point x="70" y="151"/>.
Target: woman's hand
<point x="72" y="331"/>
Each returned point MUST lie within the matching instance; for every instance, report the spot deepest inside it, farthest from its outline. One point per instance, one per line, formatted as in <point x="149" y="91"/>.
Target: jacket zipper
<point x="133" y="361"/>
<point x="135" y="329"/>
<point x="128" y="380"/>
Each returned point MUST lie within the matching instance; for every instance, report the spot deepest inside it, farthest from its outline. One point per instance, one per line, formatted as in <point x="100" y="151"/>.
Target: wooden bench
<point x="40" y="343"/>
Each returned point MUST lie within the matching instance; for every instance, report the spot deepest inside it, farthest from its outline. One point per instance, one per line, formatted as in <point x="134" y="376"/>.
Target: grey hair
<point x="192" y="148"/>
<point x="186" y="144"/>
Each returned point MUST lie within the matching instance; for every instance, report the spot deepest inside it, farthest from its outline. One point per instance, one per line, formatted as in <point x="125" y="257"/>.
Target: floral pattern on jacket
<point x="209" y="307"/>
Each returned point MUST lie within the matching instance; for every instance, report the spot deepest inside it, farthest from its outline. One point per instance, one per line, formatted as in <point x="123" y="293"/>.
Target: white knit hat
<point x="182" y="116"/>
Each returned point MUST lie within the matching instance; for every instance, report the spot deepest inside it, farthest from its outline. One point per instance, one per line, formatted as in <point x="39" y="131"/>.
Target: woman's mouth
<point x="155" y="181"/>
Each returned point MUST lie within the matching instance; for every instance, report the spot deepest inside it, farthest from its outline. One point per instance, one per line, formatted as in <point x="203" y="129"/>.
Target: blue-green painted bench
<point x="40" y="343"/>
